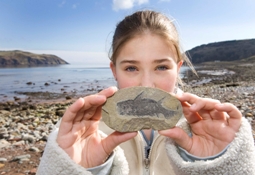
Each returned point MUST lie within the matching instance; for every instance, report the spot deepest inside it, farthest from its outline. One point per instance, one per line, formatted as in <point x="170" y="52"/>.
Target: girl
<point x="212" y="137"/>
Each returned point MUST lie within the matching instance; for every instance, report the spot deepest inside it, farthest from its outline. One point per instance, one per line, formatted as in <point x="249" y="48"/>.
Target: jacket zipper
<point x="147" y="160"/>
<point x="147" y="166"/>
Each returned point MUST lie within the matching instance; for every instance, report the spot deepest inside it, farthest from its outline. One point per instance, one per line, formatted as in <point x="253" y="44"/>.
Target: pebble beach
<point x="26" y="124"/>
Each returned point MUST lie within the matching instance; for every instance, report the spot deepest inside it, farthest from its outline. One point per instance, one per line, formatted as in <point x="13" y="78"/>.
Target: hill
<point x="19" y="58"/>
<point x="223" y="51"/>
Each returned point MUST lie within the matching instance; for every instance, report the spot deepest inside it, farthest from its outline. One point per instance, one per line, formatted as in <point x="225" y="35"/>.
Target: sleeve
<point x="239" y="158"/>
<point x="191" y="158"/>
<point x="103" y="169"/>
<point x="56" y="161"/>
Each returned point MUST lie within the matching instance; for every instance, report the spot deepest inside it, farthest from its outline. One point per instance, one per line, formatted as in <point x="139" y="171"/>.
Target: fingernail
<point x="114" y="87"/>
<point x="220" y="105"/>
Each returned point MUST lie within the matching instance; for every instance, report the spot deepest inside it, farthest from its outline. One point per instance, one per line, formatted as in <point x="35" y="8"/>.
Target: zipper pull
<point x="147" y="163"/>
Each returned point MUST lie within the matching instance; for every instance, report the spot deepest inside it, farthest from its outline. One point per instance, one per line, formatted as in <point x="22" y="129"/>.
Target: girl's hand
<point x="78" y="132"/>
<point x="213" y="125"/>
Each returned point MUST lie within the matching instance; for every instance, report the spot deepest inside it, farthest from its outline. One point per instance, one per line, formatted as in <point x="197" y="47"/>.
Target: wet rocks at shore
<point x="24" y="132"/>
<point x="52" y="90"/>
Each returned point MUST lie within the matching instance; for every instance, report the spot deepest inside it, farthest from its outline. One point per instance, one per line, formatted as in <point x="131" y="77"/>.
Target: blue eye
<point x="131" y="69"/>
<point x="162" y="68"/>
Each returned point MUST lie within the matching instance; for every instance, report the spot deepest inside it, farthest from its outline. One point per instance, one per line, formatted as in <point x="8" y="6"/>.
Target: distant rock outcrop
<point x="223" y="51"/>
<point x="19" y="58"/>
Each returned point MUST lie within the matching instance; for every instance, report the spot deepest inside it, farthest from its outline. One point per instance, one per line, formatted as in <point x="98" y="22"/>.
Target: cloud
<point x="62" y="4"/>
<point x="74" y="6"/>
<point x="127" y="4"/>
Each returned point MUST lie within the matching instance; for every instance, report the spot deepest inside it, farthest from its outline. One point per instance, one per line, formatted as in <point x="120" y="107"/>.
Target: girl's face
<point x="146" y="60"/>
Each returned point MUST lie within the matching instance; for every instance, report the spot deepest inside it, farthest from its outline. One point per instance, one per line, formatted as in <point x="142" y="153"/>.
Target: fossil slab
<point x="136" y="108"/>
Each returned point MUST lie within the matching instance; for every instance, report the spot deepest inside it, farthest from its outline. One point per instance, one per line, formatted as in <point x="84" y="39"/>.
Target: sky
<point x="80" y="31"/>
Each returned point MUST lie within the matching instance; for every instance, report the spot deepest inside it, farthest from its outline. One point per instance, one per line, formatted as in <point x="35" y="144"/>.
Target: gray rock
<point x="34" y="149"/>
<point x="3" y="159"/>
<point x="22" y="158"/>
<point x="19" y="143"/>
<point x="4" y="143"/>
<point x="5" y="112"/>
<point x="29" y="138"/>
<point x="136" y="108"/>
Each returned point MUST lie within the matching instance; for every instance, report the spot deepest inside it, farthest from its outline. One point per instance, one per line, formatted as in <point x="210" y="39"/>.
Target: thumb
<point x="179" y="136"/>
<point x="116" y="138"/>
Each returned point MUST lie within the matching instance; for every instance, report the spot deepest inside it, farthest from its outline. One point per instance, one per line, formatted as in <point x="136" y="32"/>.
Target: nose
<point x="147" y="80"/>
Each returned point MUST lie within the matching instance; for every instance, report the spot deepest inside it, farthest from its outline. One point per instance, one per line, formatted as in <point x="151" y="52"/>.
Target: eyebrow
<point x="129" y="61"/>
<point x="162" y="60"/>
<point x="155" y="61"/>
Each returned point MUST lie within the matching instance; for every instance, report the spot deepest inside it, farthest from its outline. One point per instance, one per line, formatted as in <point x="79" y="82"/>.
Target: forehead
<point x="148" y="44"/>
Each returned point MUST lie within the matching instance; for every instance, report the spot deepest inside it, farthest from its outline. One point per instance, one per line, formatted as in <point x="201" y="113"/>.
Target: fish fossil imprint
<point x="141" y="107"/>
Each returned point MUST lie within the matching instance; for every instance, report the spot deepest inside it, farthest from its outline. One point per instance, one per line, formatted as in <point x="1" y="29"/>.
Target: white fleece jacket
<point x="238" y="159"/>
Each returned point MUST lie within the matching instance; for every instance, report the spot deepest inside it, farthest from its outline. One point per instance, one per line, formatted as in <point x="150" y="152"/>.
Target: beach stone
<point x="24" y="157"/>
<point x="34" y="149"/>
<point x="29" y="138"/>
<point x="136" y="108"/>
<point x="4" y="143"/>
<point x="68" y="97"/>
<point x="19" y="143"/>
<point x="16" y="98"/>
<point x="5" y="112"/>
<point x="60" y="112"/>
<point x="33" y="171"/>
<point x="3" y="159"/>
<point x="2" y="165"/>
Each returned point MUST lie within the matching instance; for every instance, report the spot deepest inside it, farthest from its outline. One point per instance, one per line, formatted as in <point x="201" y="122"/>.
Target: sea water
<point x="54" y="79"/>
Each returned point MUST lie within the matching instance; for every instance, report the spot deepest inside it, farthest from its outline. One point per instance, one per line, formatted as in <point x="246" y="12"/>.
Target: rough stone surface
<point x="136" y="108"/>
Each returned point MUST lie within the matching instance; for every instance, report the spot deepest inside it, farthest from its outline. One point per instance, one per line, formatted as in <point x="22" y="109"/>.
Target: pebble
<point x="3" y="160"/>
<point x="2" y="165"/>
<point x="34" y="149"/>
<point x="21" y="157"/>
<point x="4" y="143"/>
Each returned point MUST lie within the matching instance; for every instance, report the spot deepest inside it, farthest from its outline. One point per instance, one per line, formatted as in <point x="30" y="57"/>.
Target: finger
<point x="109" y="91"/>
<point x="116" y="138"/>
<point x="91" y="105"/>
<point x="205" y="107"/>
<point x="192" y="117"/>
<point x="218" y="115"/>
<point x="72" y="110"/>
<point x="69" y="115"/>
<point x="179" y="136"/>
<point x="198" y="103"/>
<point x="76" y="111"/>
<point x="234" y="114"/>
<point x="95" y="111"/>
<point x="97" y="108"/>
<point x="187" y="97"/>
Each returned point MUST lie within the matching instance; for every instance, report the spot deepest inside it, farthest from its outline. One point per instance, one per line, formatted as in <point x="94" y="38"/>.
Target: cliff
<point x="223" y="51"/>
<point x="19" y="58"/>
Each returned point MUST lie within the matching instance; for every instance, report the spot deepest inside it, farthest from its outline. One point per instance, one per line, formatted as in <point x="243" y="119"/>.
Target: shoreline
<point x="26" y="123"/>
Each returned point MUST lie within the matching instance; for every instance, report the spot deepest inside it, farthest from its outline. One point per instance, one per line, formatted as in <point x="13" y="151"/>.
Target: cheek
<point x="124" y="83"/>
<point x="167" y="86"/>
<point x="167" y="83"/>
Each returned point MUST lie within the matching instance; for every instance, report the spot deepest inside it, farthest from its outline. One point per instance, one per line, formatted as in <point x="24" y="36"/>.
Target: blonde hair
<point x="141" y="22"/>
